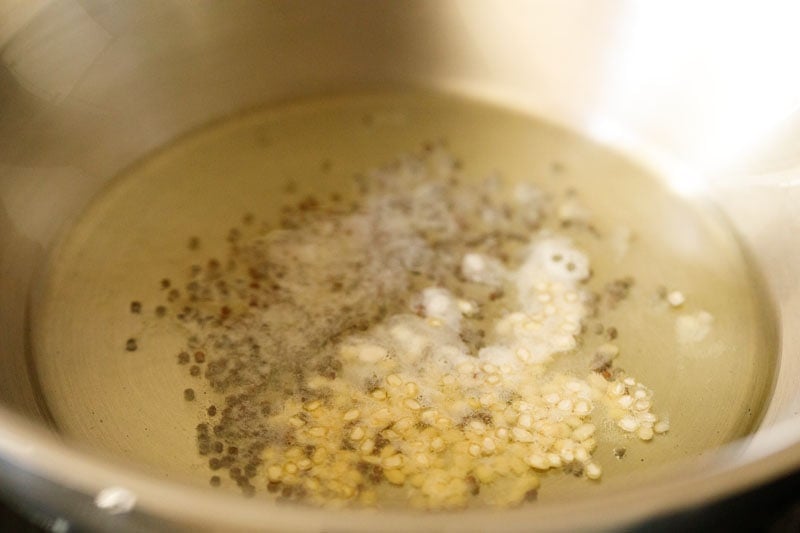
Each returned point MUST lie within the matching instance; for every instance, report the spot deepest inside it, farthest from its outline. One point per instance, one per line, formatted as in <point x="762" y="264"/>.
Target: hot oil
<point x="137" y="238"/>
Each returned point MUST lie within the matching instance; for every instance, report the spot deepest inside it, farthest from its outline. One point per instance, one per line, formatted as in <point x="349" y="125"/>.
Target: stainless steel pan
<point x="704" y="93"/>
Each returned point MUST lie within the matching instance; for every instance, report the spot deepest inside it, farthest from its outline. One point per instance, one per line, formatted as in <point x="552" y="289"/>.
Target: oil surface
<point x="130" y="404"/>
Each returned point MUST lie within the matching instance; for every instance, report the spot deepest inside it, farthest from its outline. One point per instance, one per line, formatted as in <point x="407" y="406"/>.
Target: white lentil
<point x="393" y="461"/>
<point x="351" y="415"/>
<point x="394" y="380"/>
<point x="583" y="432"/>
<point x="676" y="298"/>
<point x="628" y="424"/>
<point x="647" y="417"/>
<point x="443" y="423"/>
<point x="522" y="435"/>
<point x="382" y="415"/>
<point x="412" y="404"/>
<point x="318" y="431"/>
<point x="379" y="394"/>
<point x="625" y="401"/>
<point x="524" y="406"/>
<point x="573" y="386"/>
<point x="274" y="472"/>
<point x="661" y="427"/>
<point x="367" y="446"/>
<point x="467" y="308"/>
<point x="429" y="416"/>
<point x="395" y="477"/>
<point x="582" y="408"/>
<point x="565" y="405"/>
<point x="581" y="454"/>
<point x="593" y="471"/>
<point x="320" y="455"/>
<point x="567" y="455"/>
<point x="617" y="389"/>
<point x="477" y="426"/>
<point x="552" y="398"/>
<point x="645" y="433"/>
<point x="538" y="462"/>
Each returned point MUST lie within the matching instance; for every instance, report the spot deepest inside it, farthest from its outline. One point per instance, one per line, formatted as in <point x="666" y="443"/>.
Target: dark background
<point x="774" y="508"/>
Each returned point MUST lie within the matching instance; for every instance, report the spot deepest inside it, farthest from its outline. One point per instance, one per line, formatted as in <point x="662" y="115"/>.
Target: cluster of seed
<point x="341" y="385"/>
<point x="550" y="323"/>
<point x="629" y="404"/>
<point x="346" y="447"/>
<point x="484" y="429"/>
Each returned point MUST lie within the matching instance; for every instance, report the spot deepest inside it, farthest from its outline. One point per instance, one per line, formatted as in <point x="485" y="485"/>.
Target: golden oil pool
<point x="130" y="404"/>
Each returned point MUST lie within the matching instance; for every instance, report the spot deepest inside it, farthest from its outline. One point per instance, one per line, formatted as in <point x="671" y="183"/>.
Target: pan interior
<point x="131" y="404"/>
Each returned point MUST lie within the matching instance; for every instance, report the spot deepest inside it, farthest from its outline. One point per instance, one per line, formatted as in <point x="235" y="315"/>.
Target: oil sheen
<point x="707" y="353"/>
